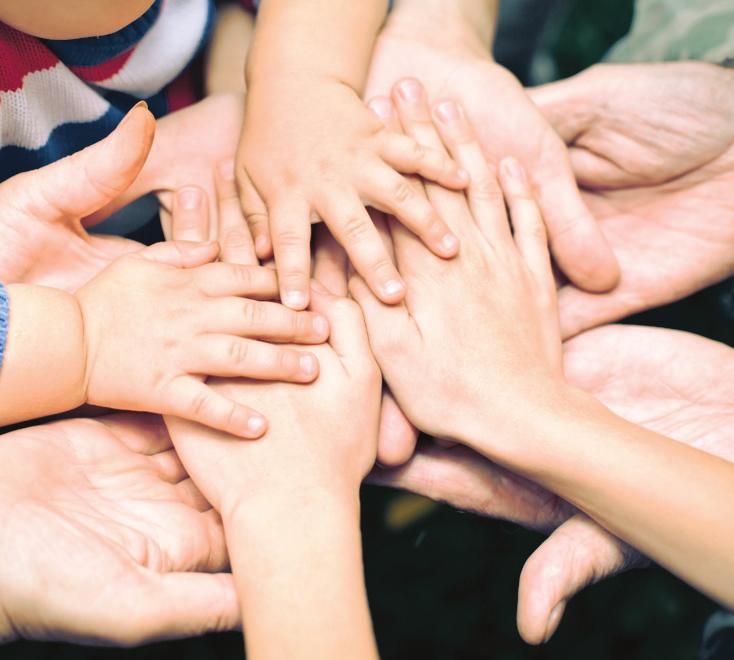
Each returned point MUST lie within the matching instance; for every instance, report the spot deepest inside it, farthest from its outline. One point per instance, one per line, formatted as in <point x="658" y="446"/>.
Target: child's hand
<point x="157" y="322"/>
<point x="310" y="150"/>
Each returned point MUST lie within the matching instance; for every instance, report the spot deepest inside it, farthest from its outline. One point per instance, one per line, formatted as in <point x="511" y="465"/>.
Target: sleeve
<point x="4" y="314"/>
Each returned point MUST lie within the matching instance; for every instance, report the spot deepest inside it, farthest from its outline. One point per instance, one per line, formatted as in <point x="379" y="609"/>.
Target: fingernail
<point x="139" y="104"/>
<point x="450" y="243"/>
<point x="410" y="90"/>
<point x="447" y="111"/>
<point x="307" y="364"/>
<point x="321" y="326"/>
<point x="513" y="169"/>
<point x="462" y="175"/>
<point x="295" y="299"/>
<point x="226" y="170"/>
<point x="381" y="106"/>
<point x="392" y="288"/>
<point x="256" y="425"/>
<point x="261" y="244"/>
<point x="553" y="620"/>
<point x="189" y="198"/>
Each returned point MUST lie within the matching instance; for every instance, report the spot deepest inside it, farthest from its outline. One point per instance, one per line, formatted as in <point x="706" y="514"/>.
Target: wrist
<point x="464" y="26"/>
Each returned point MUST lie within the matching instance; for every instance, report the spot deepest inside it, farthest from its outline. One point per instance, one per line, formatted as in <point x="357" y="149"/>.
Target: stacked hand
<point x="107" y="498"/>
<point x="664" y="202"/>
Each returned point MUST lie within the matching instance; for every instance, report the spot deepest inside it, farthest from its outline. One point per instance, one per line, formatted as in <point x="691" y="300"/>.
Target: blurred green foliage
<point x="445" y="586"/>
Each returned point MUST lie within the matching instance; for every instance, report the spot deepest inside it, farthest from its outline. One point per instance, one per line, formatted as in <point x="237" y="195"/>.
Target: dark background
<point x="443" y="584"/>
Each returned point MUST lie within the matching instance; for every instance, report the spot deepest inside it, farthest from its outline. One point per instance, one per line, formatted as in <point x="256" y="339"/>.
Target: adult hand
<point x="670" y="382"/>
<point x="665" y="204"/>
<point x="450" y="63"/>
<point x="105" y="539"/>
<point x="41" y="233"/>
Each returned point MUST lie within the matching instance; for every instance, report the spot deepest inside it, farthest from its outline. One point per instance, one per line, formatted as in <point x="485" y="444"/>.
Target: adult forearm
<point x="671" y="501"/>
<point x="297" y="561"/>
<point x="314" y="37"/>
<point x="43" y="368"/>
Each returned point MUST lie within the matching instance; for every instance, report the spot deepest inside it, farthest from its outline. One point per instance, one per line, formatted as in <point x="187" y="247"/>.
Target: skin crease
<point x="665" y="206"/>
<point x="442" y="50"/>
<point x="108" y="498"/>
<point x="53" y="20"/>
<point x="687" y="399"/>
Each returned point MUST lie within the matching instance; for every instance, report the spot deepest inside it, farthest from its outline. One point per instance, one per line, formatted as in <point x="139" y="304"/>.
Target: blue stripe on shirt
<point x="4" y="315"/>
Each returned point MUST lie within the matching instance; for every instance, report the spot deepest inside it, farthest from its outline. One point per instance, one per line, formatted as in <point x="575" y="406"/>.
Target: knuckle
<point x="417" y="151"/>
<point x="356" y="229"/>
<point x="290" y="238"/>
<point x="253" y="313"/>
<point x="401" y="191"/>
<point x="237" y="238"/>
<point x="236" y="352"/>
<point x="286" y="361"/>
<point x="485" y="186"/>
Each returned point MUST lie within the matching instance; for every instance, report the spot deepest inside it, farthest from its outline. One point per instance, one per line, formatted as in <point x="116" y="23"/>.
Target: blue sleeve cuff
<point x="4" y="314"/>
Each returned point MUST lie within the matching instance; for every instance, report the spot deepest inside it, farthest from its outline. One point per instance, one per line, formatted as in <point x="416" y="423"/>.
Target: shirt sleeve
<point x="4" y="314"/>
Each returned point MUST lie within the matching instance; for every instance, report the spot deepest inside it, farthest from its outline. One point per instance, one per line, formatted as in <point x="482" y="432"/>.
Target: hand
<point x="296" y="165"/>
<point x="668" y="381"/>
<point x="500" y="280"/>
<point x="105" y="539"/>
<point x="194" y="148"/>
<point x="155" y="321"/>
<point x="668" y="210"/>
<point x="507" y="124"/>
<point x="41" y="231"/>
<point x="319" y="436"/>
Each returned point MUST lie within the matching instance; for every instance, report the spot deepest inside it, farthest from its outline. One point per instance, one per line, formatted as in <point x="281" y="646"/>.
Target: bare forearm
<point x="671" y="501"/>
<point x="43" y="369"/>
<point x="314" y="37"/>
<point x="466" y="20"/>
<point x="298" y="566"/>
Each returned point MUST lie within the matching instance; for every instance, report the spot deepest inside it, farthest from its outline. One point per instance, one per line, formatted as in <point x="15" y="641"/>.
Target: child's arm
<point x="310" y="149"/>
<point x="144" y="333"/>
<point x="290" y="504"/>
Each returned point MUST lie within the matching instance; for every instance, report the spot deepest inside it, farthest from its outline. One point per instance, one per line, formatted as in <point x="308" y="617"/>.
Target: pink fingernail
<point x="462" y="174"/>
<point x="392" y="288"/>
<point x="321" y="326"/>
<point x="295" y="299"/>
<point x="513" y="169"/>
<point x="448" y="111"/>
<point x="410" y="90"/>
<point x="261" y="244"/>
<point x="189" y="198"/>
<point x="256" y="425"/>
<point x="450" y="243"/>
<point x="307" y="363"/>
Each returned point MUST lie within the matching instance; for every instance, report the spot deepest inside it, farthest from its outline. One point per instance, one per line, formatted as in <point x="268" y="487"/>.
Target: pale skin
<point x="509" y="377"/>
<point x="107" y="498"/>
<point x="143" y="333"/>
<point x="446" y="45"/>
<point x="654" y="143"/>
<point x="310" y="150"/>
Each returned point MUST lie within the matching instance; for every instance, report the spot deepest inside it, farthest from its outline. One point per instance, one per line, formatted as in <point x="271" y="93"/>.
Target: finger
<point x="291" y="228"/>
<point x="527" y="223"/>
<point x="191" y="496"/>
<point x="264" y="320"/>
<point x="141" y="433"/>
<point x="352" y="226"/>
<point x="230" y="279"/>
<point x="190" y="215"/>
<point x="579" y="310"/>
<point x="234" y="233"/>
<point x="405" y="155"/>
<point x="176" y="605"/>
<point x="180" y="254"/>
<point x="392" y="193"/>
<point x="348" y="333"/>
<point x="256" y="214"/>
<point x="330" y="262"/>
<point x="577" y="554"/>
<point x="80" y="184"/>
<point x="168" y="466"/>
<point x="397" y="436"/>
<point x="234" y="357"/>
<point x="194" y="400"/>
<point x="484" y="193"/>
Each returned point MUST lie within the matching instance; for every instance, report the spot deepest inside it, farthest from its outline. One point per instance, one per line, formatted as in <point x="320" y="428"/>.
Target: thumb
<point x="570" y="106"/>
<point x="577" y="554"/>
<point x="397" y="437"/>
<point x="178" y="605"/>
<point x="82" y="183"/>
<point x="181" y="254"/>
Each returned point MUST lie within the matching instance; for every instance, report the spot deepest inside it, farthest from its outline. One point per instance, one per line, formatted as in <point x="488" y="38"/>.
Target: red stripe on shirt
<point x="100" y="72"/>
<point x="20" y="55"/>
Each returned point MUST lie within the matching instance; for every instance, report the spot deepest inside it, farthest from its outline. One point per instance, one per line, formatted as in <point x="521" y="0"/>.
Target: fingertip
<point x="382" y="108"/>
<point x="308" y="364"/>
<point x="295" y="299"/>
<point x="263" y="247"/>
<point x="391" y="292"/>
<point x="554" y="620"/>
<point x="256" y="426"/>
<point x="449" y="246"/>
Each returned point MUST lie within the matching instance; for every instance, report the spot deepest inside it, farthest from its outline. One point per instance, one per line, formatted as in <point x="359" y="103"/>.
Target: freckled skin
<point x="71" y="19"/>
